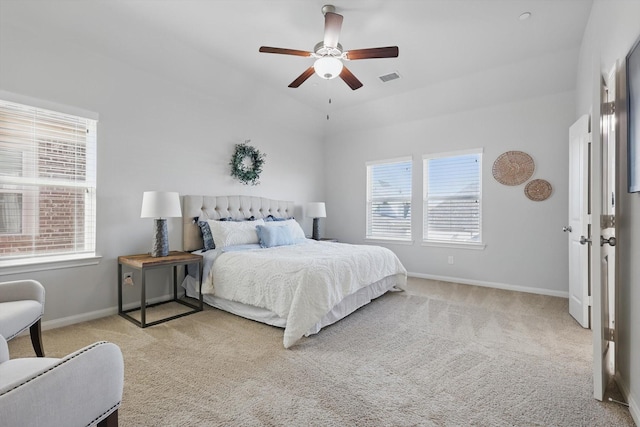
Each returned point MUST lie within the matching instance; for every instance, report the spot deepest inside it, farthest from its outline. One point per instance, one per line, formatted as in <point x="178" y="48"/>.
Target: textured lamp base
<point x="316" y="229"/>
<point x="160" y="239"/>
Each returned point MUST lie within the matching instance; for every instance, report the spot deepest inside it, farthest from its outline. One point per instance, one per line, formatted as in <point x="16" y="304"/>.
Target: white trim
<point x="391" y="241"/>
<point x="28" y="265"/>
<point x="453" y="153"/>
<point x="539" y="291"/>
<point x="634" y="408"/>
<point x="93" y="315"/>
<point x="79" y="318"/>
<point x="460" y="245"/>
<point x="394" y="160"/>
<point x="47" y="105"/>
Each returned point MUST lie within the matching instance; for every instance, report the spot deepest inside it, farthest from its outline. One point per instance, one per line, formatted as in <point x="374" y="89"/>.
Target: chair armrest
<point x="81" y="389"/>
<point x="4" y="350"/>
<point x="21" y="290"/>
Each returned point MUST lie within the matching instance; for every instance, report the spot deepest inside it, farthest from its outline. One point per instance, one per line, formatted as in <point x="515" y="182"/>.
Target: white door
<point x="592" y="192"/>
<point x="578" y="229"/>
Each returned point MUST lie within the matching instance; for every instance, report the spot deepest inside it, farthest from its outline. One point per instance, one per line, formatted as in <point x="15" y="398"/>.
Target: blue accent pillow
<point x="207" y="237"/>
<point x="271" y="235"/>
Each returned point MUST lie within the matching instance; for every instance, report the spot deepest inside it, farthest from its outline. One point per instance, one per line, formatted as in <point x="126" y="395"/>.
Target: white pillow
<point x="296" y="231"/>
<point x="231" y="233"/>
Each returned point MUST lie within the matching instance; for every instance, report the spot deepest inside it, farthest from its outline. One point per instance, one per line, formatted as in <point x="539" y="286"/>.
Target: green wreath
<point x="247" y="173"/>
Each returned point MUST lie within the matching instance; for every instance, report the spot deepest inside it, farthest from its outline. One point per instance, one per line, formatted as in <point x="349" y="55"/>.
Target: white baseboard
<point x="78" y="318"/>
<point x="634" y="408"/>
<point x="92" y="315"/>
<point x="85" y="317"/>
<point x="495" y="285"/>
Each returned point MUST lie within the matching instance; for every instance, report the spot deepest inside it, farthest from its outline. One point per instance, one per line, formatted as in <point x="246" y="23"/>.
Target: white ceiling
<point x="439" y="40"/>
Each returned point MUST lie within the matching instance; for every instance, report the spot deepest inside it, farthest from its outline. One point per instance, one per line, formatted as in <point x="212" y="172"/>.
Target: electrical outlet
<point x="450" y="259"/>
<point x="127" y="278"/>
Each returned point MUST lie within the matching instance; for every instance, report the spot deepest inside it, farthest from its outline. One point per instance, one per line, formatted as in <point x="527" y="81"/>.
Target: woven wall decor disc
<point x="538" y="190"/>
<point x="513" y="168"/>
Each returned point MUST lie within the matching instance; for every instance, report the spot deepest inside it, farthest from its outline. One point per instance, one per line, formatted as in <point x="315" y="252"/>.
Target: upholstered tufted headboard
<point x="236" y="207"/>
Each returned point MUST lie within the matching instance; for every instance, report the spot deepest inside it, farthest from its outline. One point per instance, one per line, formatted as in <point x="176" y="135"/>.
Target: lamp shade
<point x="328" y="67"/>
<point x="316" y="210"/>
<point x="160" y="204"/>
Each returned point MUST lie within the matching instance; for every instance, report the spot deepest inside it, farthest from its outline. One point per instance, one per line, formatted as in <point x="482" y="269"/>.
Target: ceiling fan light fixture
<point x="328" y="67"/>
<point x="329" y="54"/>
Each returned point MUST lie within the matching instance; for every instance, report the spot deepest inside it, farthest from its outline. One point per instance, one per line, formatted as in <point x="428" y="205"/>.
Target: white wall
<point x="525" y="247"/>
<point x="155" y="132"/>
<point x="612" y="29"/>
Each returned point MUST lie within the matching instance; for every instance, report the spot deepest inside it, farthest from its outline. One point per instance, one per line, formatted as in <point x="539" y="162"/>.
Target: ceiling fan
<point x="329" y="53"/>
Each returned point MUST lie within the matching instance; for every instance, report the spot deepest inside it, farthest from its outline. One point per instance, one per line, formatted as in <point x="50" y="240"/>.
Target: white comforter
<point x="300" y="282"/>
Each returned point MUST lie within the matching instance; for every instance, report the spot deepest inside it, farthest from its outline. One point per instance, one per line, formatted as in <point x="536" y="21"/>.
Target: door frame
<point x="603" y="357"/>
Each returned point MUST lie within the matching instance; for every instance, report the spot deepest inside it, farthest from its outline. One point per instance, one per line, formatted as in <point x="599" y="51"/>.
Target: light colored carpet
<point x="439" y="354"/>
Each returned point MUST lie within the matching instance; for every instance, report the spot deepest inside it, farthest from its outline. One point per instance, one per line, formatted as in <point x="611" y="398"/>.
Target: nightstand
<point x="145" y="262"/>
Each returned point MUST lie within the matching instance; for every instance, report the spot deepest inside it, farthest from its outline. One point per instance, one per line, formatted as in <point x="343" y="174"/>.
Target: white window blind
<point x="453" y="198"/>
<point x="47" y="183"/>
<point x="389" y="199"/>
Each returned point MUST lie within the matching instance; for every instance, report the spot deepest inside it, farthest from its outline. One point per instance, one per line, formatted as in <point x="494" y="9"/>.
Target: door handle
<point x="611" y="241"/>
<point x="584" y="240"/>
<point x="567" y="228"/>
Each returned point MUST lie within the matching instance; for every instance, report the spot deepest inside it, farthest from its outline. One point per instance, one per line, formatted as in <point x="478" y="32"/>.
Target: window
<point x="389" y="199"/>
<point x="47" y="183"/>
<point x="453" y="198"/>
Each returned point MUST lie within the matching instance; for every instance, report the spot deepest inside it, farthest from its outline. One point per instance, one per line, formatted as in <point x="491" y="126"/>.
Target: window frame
<point x="479" y="244"/>
<point x="29" y="198"/>
<point x="369" y="201"/>
<point x="10" y="264"/>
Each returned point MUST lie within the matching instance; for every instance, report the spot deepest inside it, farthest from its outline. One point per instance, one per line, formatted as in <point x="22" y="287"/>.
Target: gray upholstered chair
<point x="81" y="389"/>
<point x="22" y="307"/>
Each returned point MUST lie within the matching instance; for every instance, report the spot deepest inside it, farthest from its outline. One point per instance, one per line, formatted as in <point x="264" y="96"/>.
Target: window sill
<point x="29" y="265"/>
<point x="388" y="241"/>
<point x="472" y="246"/>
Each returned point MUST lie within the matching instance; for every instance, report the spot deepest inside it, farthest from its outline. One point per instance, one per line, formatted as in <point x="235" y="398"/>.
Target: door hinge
<point x="590" y="301"/>
<point x="610" y="334"/>
<point x="608" y="109"/>
<point x="607" y="221"/>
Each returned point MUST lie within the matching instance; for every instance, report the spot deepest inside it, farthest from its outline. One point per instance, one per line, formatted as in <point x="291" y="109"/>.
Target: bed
<point x="264" y="269"/>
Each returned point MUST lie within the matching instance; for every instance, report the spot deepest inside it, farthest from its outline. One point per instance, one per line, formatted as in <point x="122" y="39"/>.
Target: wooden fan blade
<point x="267" y="49"/>
<point x="351" y="80"/>
<point x="332" y="27"/>
<point x="374" y="52"/>
<point x="302" y="77"/>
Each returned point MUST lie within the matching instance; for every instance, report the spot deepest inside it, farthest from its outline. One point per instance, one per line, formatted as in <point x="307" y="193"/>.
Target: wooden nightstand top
<point x="146" y="260"/>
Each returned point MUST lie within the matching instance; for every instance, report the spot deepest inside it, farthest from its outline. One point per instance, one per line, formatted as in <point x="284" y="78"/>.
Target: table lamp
<point x="160" y="205"/>
<point x="316" y="210"/>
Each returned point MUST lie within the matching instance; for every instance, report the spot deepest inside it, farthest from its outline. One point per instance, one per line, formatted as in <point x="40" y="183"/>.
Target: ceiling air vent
<point x="389" y="77"/>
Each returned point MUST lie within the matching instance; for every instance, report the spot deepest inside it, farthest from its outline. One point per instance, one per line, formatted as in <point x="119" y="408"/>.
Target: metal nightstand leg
<point x="143" y="301"/>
